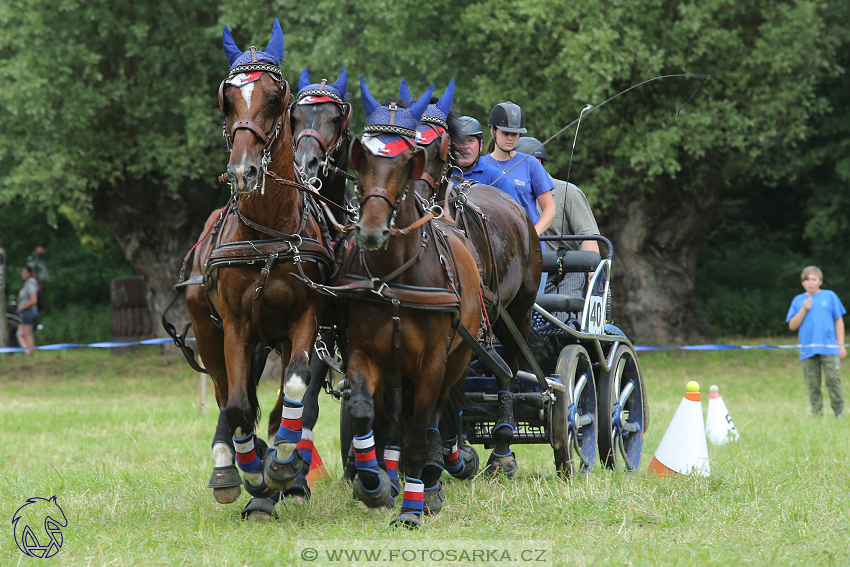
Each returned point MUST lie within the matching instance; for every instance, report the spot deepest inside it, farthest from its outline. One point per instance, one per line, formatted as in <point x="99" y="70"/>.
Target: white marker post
<point x="4" y="333"/>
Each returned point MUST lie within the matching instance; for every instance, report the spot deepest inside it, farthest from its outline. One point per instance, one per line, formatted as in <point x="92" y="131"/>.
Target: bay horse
<point x="410" y="295"/>
<point x="320" y="120"/>
<point x="249" y="296"/>
<point x="511" y="262"/>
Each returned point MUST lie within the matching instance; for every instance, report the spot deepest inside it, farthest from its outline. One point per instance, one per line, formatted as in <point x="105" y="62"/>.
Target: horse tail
<point x="258" y="364"/>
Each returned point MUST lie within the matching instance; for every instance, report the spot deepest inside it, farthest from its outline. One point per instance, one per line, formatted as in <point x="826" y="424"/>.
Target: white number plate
<point x="596" y="315"/>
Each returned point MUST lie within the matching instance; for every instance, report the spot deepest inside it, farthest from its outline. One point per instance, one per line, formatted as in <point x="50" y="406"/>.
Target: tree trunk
<point x="156" y="227"/>
<point x="657" y="238"/>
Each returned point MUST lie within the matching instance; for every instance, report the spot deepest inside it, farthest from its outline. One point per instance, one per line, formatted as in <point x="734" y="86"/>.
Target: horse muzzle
<point x="372" y="238"/>
<point x="243" y="178"/>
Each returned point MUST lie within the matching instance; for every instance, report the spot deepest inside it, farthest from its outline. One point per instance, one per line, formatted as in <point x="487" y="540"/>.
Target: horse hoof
<point x="407" y="520"/>
<point x="281" y="476"/>
<point x="381" y="496"/>
<point x="502" y="464"/>
<point x="226" y="484"/>
<point x="259" y="510"/>
<point x="299" y="492"/>
<point x="433" y="499"/>
<point x="470" y="463"/>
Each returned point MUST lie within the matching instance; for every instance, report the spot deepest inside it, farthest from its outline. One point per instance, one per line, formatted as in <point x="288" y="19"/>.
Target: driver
<point x="572" y="216"/>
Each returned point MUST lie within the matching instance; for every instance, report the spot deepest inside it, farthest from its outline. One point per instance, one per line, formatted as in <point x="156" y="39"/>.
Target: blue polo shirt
<point x="529" y="179"/>
<point x="488" y="175"/>
<point x="818" y="327"/>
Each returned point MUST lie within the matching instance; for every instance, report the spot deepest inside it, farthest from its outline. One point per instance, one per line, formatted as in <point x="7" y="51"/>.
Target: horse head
<point x="254" y="100"/>
<point x="319" y="120"/>
<point x="386" y="159"/>
<point x="432" y="134"/>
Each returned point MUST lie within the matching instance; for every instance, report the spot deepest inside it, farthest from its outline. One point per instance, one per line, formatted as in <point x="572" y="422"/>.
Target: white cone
<point x="718" y="424"/>
<point x="683" y="448"/>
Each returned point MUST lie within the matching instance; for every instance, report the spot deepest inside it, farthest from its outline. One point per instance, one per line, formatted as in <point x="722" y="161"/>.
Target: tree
<point x="110" y="115"/>
<point x="135" y="134"/>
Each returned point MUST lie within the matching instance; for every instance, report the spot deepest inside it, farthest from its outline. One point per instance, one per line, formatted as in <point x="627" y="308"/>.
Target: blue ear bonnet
<point x="437" y="113"/>
<point x="335" y="90"/>
<point x="272" y="55"/>
<point x="405" y="118"/>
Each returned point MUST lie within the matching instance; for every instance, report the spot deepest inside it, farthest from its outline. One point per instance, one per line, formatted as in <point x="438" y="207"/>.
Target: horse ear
<point x="404" y="93"/>
<point x="341" y="84"/>
<point x="445" y="102"/>
<point x="418" y="108"/>
<point x="369" y="102"/>
<point x="354" y="154"/>
<point x="304" y="79"/>
<point x="230" y="48"/>
<point x="275" y="46"/>
<point x="418" y="164"/>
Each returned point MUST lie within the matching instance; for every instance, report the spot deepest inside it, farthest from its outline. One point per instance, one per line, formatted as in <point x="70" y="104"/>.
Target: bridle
<point x="268" y="138"/>
<point x="340" y="136"/>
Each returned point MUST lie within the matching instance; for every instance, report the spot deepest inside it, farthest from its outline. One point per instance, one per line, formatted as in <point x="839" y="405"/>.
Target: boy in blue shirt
<point x="818" y="314"/>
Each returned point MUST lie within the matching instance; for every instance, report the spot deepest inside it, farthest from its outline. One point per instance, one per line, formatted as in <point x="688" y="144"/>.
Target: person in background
<point x="818" y="314"/>
<point x="27" y="309"/>
<point x="572" y="216"/>
<point x="467" y="155"/>
<point x="531" y="182"/>
<point x="38" y="264"/>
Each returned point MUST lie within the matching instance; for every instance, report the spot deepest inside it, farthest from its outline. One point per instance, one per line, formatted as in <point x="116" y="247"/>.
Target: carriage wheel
<point x="573" y="419"/>
<point x="621" y="403"/>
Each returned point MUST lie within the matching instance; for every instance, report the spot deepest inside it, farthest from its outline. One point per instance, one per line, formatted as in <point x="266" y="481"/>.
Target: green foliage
<point x="79" y="324"/>
<point x="98" y="92"/>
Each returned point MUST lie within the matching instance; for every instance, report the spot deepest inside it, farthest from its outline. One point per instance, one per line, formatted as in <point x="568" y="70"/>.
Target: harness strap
<point x="398" y="345"/>
<point x="509" y="323"/>
<point x="257" y="308"/>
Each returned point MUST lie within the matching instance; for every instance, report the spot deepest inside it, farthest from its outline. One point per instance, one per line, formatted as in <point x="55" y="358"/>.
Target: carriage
<point x="591" y="395"/>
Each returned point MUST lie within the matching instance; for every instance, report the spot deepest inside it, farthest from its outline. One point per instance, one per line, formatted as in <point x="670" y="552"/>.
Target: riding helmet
<point x="470" y="127"/>
<point x="507" y="116"/>
<point x="532" y="147"/>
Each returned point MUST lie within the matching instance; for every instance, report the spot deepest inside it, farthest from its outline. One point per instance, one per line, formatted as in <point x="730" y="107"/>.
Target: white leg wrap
<point x="222" y="455"/>
<point x="294" y="388"/>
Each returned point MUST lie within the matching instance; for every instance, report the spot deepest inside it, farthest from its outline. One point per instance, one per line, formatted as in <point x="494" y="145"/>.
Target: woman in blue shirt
<point x="531" y="182"/>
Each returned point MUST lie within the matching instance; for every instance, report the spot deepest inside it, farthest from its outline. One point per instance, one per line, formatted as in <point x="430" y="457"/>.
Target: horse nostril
<point x="252" y="173"/>
<point x="313" y="164"/>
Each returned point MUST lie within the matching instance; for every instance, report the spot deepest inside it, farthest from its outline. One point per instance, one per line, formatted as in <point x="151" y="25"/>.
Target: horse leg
<point x="371" y="484"/>
<point x="283" y="465"/>
<point x="300" y="489"/>
<point x="250" y="452"/>
<point x="224" y="480"/>
<point x="394" y="406"/>
<point x="416" y="452"/>
<point x="460" y="458"/>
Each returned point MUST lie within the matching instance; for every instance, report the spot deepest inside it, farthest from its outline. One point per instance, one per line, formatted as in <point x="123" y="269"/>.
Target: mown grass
<point x="120" y="441"/>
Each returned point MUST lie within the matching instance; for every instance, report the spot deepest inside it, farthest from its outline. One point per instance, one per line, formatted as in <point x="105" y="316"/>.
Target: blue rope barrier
<point x="640" y="348"/>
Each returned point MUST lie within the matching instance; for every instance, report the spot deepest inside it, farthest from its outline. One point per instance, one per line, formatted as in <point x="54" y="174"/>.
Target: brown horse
<point x="252" y="251"/>
<point x="507" y="246"/>
<point x="410" y="292"/>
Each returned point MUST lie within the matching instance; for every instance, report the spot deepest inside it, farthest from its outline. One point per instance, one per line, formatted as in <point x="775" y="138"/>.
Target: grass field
<point x="120" y="441"/>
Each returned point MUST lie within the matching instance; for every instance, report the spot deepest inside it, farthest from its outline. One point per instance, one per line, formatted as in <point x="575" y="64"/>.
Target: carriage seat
<point x="571" y="261"/>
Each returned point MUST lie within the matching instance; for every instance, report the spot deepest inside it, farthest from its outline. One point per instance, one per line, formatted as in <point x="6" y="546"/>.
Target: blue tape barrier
<point x="66" y="346"/>
<point x="639" y="348"/>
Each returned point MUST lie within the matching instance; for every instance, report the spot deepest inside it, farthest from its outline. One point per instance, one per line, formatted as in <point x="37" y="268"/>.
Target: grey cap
<point x="507" y="116"/>
<point x="469" y="126"/>
<point x="532" y="147"/>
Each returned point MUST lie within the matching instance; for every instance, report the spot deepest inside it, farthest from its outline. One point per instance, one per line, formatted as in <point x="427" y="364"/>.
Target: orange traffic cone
<point x="718" y="423"/>
<point x="683" y="449"/>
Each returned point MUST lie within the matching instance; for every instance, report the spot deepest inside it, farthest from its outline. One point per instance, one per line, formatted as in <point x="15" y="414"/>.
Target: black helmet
<point x="532" y="147"/>
<point x="469" y="127"/>
<point x="507" y="116"/>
